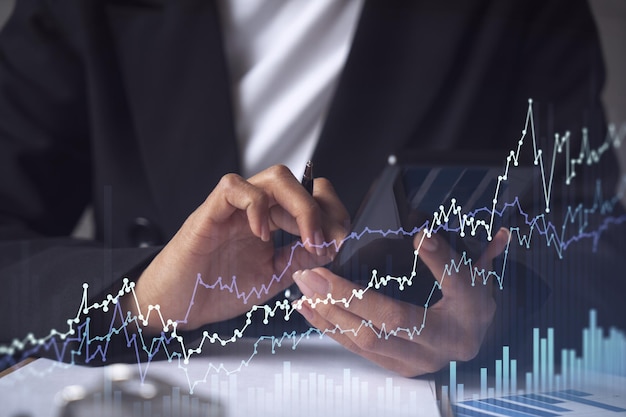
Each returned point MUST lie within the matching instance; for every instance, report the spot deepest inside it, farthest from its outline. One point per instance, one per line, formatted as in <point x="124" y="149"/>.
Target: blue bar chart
<point x="563" y="384"/>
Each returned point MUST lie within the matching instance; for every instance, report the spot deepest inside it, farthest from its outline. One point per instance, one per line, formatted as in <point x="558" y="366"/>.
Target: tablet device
<point x="432" y="191"/>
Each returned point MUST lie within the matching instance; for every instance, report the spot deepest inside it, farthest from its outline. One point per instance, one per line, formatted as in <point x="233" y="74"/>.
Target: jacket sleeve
<point x="45" y="184"/>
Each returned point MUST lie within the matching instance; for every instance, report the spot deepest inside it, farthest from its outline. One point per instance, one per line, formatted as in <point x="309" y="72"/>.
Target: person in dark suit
<point x="128" y="106"/>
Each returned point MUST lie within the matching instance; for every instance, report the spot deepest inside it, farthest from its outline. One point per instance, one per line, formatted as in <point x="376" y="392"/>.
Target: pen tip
<point x="308" y="169"/>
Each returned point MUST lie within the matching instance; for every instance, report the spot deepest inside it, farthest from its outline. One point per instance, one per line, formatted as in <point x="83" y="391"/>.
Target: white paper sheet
<point x="318" y="378"/>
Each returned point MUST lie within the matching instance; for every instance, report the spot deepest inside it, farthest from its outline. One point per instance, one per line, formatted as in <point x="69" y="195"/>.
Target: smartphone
<point x="432" y="192"/>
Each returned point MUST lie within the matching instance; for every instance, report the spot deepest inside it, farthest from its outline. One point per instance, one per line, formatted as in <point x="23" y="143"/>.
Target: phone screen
<point x="454" y="200"/>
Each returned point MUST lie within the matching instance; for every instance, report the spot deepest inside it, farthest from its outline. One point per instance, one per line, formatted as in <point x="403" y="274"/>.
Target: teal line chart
<point x="79" y="340"/>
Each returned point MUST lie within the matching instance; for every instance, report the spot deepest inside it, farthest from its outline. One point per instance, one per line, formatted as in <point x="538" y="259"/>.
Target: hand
<point x="454" y="327"/>
<point x="230" y="235"/>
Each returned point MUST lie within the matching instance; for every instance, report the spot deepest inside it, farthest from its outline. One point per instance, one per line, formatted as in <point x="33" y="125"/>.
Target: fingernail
<point x="304" y="310"/>
<point x="430" y="243"/>
<point x="311" y="283"/>
<point x="296" y="275"/>
<point x="333" y="249"/>
<point x="319" y="243"/>
<point x="265" y="232"/>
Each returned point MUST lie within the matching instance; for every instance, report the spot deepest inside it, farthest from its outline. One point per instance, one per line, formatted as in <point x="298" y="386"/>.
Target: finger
<point x="285" y="190"/>
<point x="336" y="220"/>
<point x="281" y="219"/>
<point x="439" y="257"/>
<point x="398" y="355"/>
<point x="290" y="259"/>
<point x="396" y="317"/>
<point x="234" y="193"/>
<point x="461" y="277"/>
<point x="497" y="245"/>
<point x="329" y="201"/>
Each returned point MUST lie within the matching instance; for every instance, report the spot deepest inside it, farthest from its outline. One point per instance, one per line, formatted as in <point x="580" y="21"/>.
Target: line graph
<point x="79" y="340"/>
<point x="538" y="225"/>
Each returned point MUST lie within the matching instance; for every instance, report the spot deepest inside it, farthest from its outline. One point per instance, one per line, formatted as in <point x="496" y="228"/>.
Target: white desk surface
<point x="318" y="378"/>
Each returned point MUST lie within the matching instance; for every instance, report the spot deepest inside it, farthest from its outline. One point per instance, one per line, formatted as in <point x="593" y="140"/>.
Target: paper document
<point x="248" y="377"/>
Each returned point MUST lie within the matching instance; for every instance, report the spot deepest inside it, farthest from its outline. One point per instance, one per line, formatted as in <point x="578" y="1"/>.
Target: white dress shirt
<point x="285" y="58"/>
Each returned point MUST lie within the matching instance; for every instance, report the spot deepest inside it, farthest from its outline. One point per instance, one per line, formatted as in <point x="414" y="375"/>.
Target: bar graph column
<point x="506" y="378"/>
<point x="550" y="358"/>
<point x="535" y="372"/>
<point x="564" y="370"/>
<point x="483" y="382"/>
<point x="543" y="345"/>
<point x="453" y="387"/>
<point x="498" y="378"/>
<point x="513" y="376"/>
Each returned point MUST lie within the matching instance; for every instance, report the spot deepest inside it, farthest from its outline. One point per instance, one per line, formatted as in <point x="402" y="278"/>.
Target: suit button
<point x="143" y="232"/>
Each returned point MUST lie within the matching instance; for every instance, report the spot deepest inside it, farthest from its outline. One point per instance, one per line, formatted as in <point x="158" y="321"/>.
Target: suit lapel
<point x="171" y="59"/>
<point x="392" y="78"/>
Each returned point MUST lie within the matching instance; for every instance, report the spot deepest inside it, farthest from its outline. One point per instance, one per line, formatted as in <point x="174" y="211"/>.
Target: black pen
<point x="293" y="293"/>
<point x="307" y="183"/>
<point x="307" y="178"/>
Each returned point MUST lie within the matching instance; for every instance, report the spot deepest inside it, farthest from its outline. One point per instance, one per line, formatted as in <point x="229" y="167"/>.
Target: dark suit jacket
<point x="126" y="105"/>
